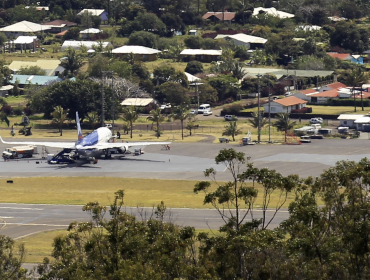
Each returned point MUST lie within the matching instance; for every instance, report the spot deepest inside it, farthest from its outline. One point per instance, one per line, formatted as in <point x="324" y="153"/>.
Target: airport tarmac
<point x="187" y="161"/>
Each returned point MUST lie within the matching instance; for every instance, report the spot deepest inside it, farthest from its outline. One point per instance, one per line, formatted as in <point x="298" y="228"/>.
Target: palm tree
<point x="71" y="63"/>
<point x="283" y="123"/>
<point x="174" y="52"/>
<point x="238" y="71"/>
<point x="59" y="117"/>
<point x="191" y="123"/>
<point x="130" y="116"/>
<point x="356" y="78"/>
<point x="156" y="117"/>
<point x="92" y="118"/>
<point x="181" y="113"/>
<point x="232" y="129"/>
<point x="254" y="121"/>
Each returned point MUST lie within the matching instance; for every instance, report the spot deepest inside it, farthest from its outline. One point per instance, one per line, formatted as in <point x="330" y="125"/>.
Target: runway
<point x="21" y="220"/>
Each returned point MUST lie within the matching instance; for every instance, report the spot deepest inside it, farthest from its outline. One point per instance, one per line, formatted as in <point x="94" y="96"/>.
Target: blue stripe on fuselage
<point x="90" y="139"/>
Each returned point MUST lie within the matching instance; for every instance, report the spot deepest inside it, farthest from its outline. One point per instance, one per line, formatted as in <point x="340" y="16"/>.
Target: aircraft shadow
<point x="132" y="159"/>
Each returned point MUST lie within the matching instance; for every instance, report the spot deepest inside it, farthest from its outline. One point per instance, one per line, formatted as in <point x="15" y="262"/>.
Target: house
<point x="249" y="41"/>
<point x="87" y="32"/>
<point x="191" y="78"/>
<point x="348" y="120"/>
<point x="201" y="55"/>
<point x="363" y="122"/>
<point x="193" y="32"/>
<point x="59" y="25"/>
<point x="24" y="80"/>
<point x="322" y="97"/>
<point x="4" y="90"/>
<point x="305" y="94"/>
<point x="26" y="43"/>
<point x="358" y="59"/>
<point x="103" y="14"/>
<point x="138" y="102"/>
<point x="140" y="52"/>
<point x="88" y="44"/>
<point x="51" y="67"/>
<point x="219" y="16"/>
<point x="285" y="105"/>
<point x="272" y="12"/>
<point x="337" y="85"/>
<point x="23" y="28"/>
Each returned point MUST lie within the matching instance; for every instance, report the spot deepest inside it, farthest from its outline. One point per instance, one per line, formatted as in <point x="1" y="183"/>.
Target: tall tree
<point x="11" y="259"/>
<point x="283" y="123"/>
<point x="71" y="63"/>
<point x="181" y="113"/>
<point x="356" y="78"/>
<point x="258" y="119"/>
<point x="130" y="115"/>
<point x="156" y="117"/>
<point x="59" y="117"/>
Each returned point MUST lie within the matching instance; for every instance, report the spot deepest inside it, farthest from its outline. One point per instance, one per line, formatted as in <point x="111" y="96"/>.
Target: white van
<point x="203" y="108"/>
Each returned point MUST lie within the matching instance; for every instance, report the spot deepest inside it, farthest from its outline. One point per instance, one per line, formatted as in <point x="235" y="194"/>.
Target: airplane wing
<point x="62" y="145"/>
<point x="103" y="146"/>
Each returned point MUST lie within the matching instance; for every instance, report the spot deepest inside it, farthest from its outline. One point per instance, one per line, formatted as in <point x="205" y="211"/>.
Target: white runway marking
<point x="22" y="208"/>
<point x="48" y="225"/>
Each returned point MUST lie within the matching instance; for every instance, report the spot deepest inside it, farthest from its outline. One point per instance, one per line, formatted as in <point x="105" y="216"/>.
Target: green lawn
<point x="16" y="101"/>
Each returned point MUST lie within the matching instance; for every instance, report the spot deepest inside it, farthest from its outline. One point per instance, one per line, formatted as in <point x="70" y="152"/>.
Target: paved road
<point x="21" y="220"/>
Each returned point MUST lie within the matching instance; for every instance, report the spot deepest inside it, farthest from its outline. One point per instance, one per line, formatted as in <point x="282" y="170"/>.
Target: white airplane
<point x="91" y="146"/>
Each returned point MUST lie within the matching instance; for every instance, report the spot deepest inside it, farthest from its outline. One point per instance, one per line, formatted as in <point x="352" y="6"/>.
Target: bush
<point x="18" y="111"/>
<point x="7" y="110"/>
<point x="233" y="109"/>
<point x="348" y="102"/>
<point x="194" y="67"/>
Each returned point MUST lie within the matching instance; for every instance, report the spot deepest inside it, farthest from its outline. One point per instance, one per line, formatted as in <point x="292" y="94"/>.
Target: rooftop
<point x="137" y="102"/>
<point x="328" y="93"/>
<point x="35" y="79"/>
<point x="25" y="39"/>
<point x="336" y="85"/>
<point x="48" y="65"/>
<point x="60" y="22"/>
<point x="307" y="91"/>
<point x="220" y="15"/>
<point x="290" y="101"/>
<point x="340" y="56"/>
<point x="25" y="26"/>
<point x="135" y="50"/>
<point x="349" y="117"/>
<point x="94" y="12"/>
<point x="272" y="12"/>
<point x="91" y="31"/>
<point x="244" y="38"/>
<point x="201" y="52"/>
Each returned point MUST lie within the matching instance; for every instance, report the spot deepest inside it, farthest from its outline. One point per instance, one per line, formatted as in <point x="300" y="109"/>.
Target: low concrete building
<point x="141" y="53"/>
<point x="285" y="105"/>
<point x="201" y="55"/>
<point x="347" y="120"/>
<point x="59" y="25"/>
<point x="23" y="28"/>
<point x="103" y="14"/>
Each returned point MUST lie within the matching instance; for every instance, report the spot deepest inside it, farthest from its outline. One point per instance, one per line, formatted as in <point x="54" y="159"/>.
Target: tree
<point x="181" y="113"/>
<point x="72" y="34"/>
<point x="174" y="93"/>
<point x="11" y="259"/>
<point x="71" y="63"/>
<point x="156" y="117"/>
<point x="207" y="94"/>
<point x="32" y="70"/>
<point x="174" y="52"/>
<point x="283" y="123"/>
<point x="194" y="67"/>
<point x="140" y="70"/>
<point x="130" y="115"/>
<point x="356" y="78"/>
<point x="165" y="73"/>
<point x="59" y="117"/>
<point x="92" y="118"/>
<point x="258" y="120"/>
<point x="143" y="38"/>
<point x="231" y="129"/>
<point x="224" y="86"/>
<point x="191" y="124"/>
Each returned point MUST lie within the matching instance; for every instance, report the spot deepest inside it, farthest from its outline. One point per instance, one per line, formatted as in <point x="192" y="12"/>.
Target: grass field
<point x="81" y="190"/>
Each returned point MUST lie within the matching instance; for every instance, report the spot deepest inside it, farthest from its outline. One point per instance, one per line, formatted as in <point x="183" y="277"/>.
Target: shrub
<point x="7" y="109"/>
<point x="18" y="111"/>
<point x="194" y="67"/>
<point x="233" y="109"/>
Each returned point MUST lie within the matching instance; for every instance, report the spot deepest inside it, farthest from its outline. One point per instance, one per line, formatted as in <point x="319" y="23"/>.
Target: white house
<point x="285" y="105"/>
<point x="349" y="120"/>
<point x="26" y="43"/>
<point x="322" y="97"/>
<point x="201" y="55"/>
<point x="87" y="32"/>
<point x="103" y="14"/>
<point x="240" y="39"/>
<point x="336" y="85"/>
<point x="23" y="28"/>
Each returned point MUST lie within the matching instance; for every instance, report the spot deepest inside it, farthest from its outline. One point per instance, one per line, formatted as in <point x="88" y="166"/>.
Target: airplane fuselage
<point x="98" y="136"/>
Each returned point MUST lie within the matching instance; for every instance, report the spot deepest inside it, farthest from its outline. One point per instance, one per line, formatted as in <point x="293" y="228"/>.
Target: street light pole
<point x="104" y="74"/>
<point x="259" y="113"/>
<point x="269" y="110"/>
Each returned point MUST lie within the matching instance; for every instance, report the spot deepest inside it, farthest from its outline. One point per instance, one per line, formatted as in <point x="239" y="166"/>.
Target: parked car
<point x="230" y="117"/>
<point x="207" y="113"/>
<point x="194" y="112"/>
<point x="165" y="106"/>
<point x="305" y="139"/>
<point x="316" y="121"/>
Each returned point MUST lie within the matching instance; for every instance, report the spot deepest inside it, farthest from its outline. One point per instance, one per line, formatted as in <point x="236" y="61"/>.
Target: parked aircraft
<point x="89" y="147"/>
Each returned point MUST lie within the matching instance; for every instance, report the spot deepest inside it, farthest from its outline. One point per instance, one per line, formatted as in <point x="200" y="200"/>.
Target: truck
<point x="20" y="152"/>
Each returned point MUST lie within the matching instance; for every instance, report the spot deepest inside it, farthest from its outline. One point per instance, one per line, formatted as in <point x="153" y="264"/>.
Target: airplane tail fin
<point x="79" y="131"/>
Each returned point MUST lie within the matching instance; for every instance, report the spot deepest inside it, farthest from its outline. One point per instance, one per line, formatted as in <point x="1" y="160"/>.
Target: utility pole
<point x="104" y="74"/>
<point x="269" y="110"/>
<point x="259" y="113"/>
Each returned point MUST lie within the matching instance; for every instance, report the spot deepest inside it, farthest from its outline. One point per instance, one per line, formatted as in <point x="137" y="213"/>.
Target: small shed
<point x="4" y="90"/>
<point x="193" y="32"/>
<point x="362" y="122"/>
<point x="349" y="120"/>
